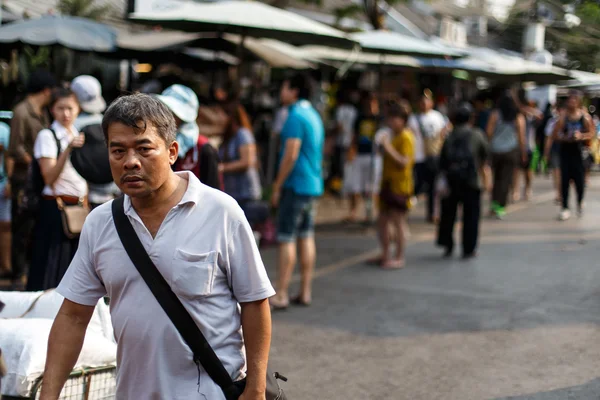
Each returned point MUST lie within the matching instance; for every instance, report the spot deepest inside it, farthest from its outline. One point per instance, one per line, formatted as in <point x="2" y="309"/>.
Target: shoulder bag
<point x="203" y="353"/>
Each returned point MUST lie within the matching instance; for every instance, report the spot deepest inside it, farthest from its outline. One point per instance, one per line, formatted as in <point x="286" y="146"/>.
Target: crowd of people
<point x="389" y="156"/>
<point x="490" y="145"/>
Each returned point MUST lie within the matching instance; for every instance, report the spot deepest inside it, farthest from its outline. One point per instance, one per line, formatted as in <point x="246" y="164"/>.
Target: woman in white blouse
<point x="52" y="249"/>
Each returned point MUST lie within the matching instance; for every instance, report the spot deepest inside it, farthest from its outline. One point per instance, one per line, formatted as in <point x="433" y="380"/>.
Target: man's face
<point x="47" y="96"/>
<point x="425" y="104"/>
<point x="288" y="96"/>
<point x="140" y="161"/>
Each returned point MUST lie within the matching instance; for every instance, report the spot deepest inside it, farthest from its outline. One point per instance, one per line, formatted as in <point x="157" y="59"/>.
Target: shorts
<point x="363" y="175"/>
<point x="296" y="216"/>
<point x="5" y="204"/>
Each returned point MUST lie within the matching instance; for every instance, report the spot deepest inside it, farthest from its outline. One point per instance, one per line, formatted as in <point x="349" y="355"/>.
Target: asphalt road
<point x="522" y="321"/>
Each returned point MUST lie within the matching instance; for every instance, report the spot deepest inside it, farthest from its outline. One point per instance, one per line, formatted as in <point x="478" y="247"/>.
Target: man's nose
<point x="132" y="161"/>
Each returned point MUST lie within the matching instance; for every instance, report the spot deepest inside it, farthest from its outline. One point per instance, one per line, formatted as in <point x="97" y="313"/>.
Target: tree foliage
<point x="580" y="44"/>
<point x="83" y="8"/>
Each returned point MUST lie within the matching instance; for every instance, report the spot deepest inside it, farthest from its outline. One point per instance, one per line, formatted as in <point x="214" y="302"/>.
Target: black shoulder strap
<point x="58" y="146"/>
<point x="203" y="353"/>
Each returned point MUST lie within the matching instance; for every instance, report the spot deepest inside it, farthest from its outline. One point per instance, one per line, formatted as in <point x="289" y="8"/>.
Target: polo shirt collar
<point x="61" y="131"/>
<point x="191" y="196"/>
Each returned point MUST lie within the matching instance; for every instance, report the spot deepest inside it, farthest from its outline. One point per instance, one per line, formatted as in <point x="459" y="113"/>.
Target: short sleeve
<point x="292" y="128"/>
<point x="4" y="135"/>
<point x="249" y="279"/>
<point x="407" y="147"/>
<point x="45" y="145"/>
<point x="81" y="284"/>
<point x="245" y="137"/>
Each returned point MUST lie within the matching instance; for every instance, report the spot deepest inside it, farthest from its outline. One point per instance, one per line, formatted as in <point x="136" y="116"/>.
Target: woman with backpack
<point x="506" y="130"/>
<point x="239" y="161"/>
<point x="53" y="248"/>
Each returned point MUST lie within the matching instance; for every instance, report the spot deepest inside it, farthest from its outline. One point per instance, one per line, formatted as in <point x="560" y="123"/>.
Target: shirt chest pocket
<point x="193" y="274"/>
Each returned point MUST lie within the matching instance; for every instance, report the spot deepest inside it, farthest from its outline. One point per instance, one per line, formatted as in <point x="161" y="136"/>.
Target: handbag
<point x="72" y="217"/>
<point x="203" y="353"/>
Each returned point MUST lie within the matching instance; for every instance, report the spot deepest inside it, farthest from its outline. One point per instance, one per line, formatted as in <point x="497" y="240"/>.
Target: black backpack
<point x="461" y="162"/>
<point x="91" y="160"/>
<point x="30" y="200"/>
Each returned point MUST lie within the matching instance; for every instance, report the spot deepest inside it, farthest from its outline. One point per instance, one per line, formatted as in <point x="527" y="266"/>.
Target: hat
<point x="89" y="93"/>
<point x="182" y="101"/>
<point x="40" y="80"/>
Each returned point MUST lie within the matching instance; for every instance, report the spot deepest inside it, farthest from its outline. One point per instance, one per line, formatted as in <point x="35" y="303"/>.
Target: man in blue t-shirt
<point x="298" y="182"/>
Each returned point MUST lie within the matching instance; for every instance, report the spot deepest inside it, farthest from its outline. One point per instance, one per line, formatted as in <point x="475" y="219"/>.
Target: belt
<point x="71" y="200"/>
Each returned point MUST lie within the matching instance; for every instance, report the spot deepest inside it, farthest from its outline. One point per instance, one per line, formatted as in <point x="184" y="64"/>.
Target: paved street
<point x="520" y="322"/>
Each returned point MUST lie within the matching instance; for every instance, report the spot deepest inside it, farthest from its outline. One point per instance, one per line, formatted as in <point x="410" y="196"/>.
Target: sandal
<point x="393" y="264"/>
<point x="298" y="301"/>
<point x="278" y="305"/>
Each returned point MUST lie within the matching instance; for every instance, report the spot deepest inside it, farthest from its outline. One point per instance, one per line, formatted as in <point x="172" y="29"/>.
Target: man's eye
<point x="118" y="151"/>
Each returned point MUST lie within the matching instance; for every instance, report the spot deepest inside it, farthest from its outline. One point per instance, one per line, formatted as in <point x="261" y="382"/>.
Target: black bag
<point x="461" y="167"/>
<point x="29" y="199"/>
<point x="91" y="160"/>
<point x="203" y="354"/>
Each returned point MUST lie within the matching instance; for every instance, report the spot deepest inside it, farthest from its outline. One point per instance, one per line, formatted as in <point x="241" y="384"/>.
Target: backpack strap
<point x="58" y="145"/>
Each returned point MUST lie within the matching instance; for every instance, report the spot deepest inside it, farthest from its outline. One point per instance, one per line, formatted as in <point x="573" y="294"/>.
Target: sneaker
<point x="564" y="215"/>
<point x="500" y="212"/>
<point x="580" y="211"/>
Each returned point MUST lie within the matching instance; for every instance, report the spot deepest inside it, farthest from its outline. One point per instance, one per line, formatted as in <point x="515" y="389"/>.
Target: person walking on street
<point x="53" y="250"/>
<point x="29" y="118"/>
<point x="196" y="154"/>
<point x="397" y="187"/>
<point x="552" y="155"/>
<point x="533" y="117"/>
<point x="299" y="181"/>
<point x="239" y="165"/>
<point x="200" y="242"/>
<point x="91" y="161"/>
<point x="506" y="131"/>
<point x="464" y="168"/>
<point x="572" y="131"/>
<point x="430" y="126"/>
<point x="5" y="241"/>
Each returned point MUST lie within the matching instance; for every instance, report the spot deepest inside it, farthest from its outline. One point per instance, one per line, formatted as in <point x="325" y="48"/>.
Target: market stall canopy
<point x="71" y="32"/>
<point x="358" y="57"/>
<point x="582" y="79"/>
<point x="273" y="52"/>
<point x="154" y="41"/>
<point x="247" y="18"/>
<point x="395" y="43"/>
<point x="497" y="64"/>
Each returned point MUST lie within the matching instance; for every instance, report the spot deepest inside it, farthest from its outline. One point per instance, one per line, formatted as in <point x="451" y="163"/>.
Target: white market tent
<point x="358" y="57"/>
<point x="395" y="43"/>
<point x="246" y="18"/>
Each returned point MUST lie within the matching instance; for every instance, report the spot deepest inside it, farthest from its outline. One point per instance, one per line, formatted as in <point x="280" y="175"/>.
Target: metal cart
<point x="83" y="384"/>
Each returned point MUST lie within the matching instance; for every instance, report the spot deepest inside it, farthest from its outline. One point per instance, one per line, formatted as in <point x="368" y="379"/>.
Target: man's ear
<point x="173" y="152"/>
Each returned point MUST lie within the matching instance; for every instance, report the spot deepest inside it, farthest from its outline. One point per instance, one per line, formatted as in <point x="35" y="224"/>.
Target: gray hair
<point x="140" y="111"/>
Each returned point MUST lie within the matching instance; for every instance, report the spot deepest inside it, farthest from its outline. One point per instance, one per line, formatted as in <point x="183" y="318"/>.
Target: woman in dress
<point x="52" y="249"/>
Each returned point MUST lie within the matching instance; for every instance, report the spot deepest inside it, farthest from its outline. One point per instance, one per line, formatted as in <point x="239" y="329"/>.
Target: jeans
<point x="296" y="216"/>
<point x="471" y="201"/>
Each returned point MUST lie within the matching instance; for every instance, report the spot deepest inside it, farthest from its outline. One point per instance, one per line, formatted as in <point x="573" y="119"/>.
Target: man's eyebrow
<point x="114" y="143"/>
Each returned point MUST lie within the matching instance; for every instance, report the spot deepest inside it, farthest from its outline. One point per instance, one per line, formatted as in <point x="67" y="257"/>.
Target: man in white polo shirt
<point x="201" y="243"/>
